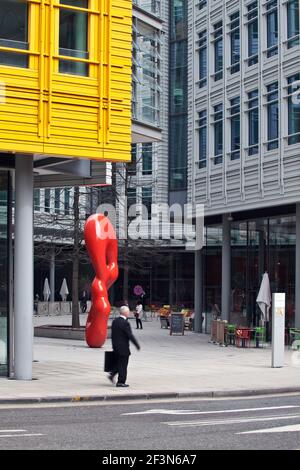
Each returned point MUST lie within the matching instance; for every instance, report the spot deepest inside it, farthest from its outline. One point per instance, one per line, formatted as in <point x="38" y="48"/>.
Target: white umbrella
<point x="46" y="290"/>
<point x="64" y="291"/>
<point x="264" y="297"/>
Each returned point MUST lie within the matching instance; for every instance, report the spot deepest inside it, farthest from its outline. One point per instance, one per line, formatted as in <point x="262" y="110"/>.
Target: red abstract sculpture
<point x="102" y="246"/>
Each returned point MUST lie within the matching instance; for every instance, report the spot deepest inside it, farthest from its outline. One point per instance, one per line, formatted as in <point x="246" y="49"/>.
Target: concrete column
<point x="23" y="272"/>
<point x="297" y="274"/>
<point x="226" y="269"/>
<point x="261" y="255"/>
<point x="171" y="280"/>
<point x="52" y="275"/>
<point x="198" y="291"/>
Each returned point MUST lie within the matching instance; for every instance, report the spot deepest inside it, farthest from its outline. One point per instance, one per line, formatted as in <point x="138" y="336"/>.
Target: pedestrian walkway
<point x="165" y="366"/>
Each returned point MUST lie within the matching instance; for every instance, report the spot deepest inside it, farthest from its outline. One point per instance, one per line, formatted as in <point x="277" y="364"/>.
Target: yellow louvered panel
<point x="59" y="114"/>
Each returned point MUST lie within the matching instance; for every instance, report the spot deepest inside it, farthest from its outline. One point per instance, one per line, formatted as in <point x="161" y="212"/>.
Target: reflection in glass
<point x="293" y="23"/>
<point x="293" y="112"/>
<point x="73" y="38"/>
<point x="14" y="32"/>
<point x="146" y="74"/>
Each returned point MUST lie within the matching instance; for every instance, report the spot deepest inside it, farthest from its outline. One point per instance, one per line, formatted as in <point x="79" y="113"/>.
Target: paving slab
<point x="166" y="366"/>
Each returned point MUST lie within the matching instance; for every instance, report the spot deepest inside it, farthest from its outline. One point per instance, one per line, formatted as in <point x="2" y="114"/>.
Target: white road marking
<point x="13" y="430"/>
<point x="20" y="435"/>
<point x="230" y="421"/>
<point x="290" y="428"/>
<point x="17" y="433"/>
<point x="195" y="412"/>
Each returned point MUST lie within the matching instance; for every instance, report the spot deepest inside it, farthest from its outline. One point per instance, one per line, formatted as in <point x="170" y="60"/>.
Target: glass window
<point x="218" y="133"/>
<point x="67" y="201"/>
<point x="202" y="59"/>
<point x="202" y="4"/>
<point x="147" y="199"/>
<point x="253" y="115"/>
<point x="131" y="167"/>
<point x="178" y="77"/>
<point x="293" y="112"/>
<point x="37" y="199"/>
<point x="252" y="17"/>
<point x="178" y="152"/>
<point x="178" y="95"/>
<point x="153" y="6"/>
<point x="235" y="124"/>
<point x="293" y="23"/>
<point x="57" y="201"/>
<point x="73" y="37"/>
<point x="146" y="73"/>
<point x="213" y="274"/>
<point x="14" y="32"/>
<point x="272" y="27"/>
<point x="235" y="42"/>
<point x="47" y="200"/>
<point x="147" y="158"/>
<point x="273" y="116"/>
<point x="131" y="198"/>
<point x="218" y="46"/>
<point x="178" y="15"/>
<point x="202" y="139"/>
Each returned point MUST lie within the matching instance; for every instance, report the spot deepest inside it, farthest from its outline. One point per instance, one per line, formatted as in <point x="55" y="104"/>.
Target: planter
<point x="62" y="332"/>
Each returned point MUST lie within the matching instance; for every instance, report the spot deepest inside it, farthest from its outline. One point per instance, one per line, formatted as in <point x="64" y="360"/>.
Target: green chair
<point x="230" y="334"/>
<point x="259" y="336"/>
<point x="294" y="334"/>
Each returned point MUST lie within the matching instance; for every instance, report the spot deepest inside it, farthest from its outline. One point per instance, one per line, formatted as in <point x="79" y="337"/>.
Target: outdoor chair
<point x="259" y="336"/>
<point x="242" y="337"/>
<point x="294" y="334"/>
<point x="230" y="334"/>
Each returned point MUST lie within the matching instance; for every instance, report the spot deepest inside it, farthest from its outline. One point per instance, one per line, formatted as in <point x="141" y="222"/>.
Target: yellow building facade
<point x="65" y="77"/>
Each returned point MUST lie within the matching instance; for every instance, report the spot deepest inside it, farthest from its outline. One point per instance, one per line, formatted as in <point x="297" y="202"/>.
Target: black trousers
<point x="138" y="322"/>
<point x="121" y="368"/>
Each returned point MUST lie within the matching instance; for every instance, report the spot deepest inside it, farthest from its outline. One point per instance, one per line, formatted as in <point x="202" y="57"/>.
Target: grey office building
<point x="243" y="152"/>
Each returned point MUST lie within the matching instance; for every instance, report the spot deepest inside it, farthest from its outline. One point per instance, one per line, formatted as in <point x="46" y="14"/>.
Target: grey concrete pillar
<point x="297" y="274"/>
<point x="261" y="255"/>
<point x="23" y="272"/>
<point x="171" y="280"/>
<point x="52" y="275"/>
<point x="226" y="269"/>
<point x="198" y="291"/>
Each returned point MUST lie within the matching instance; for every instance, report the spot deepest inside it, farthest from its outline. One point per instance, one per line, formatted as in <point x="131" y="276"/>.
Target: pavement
<point x="165" y="367"/>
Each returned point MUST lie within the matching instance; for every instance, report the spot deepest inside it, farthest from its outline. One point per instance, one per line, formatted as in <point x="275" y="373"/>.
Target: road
<point x="269" y="422"/>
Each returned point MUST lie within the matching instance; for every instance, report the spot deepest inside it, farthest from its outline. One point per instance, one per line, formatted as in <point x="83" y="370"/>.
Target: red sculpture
<point x="102" y="246"/>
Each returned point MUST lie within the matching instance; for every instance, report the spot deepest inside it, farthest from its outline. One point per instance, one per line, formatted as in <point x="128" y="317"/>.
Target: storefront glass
<point x="282" y="244"/>
<point x="257" y="246"/>
<point x="212" y="275"/>
<point x="3" y="274"/>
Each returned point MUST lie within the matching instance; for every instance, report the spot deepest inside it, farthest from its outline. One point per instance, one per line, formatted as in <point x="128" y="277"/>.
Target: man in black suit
<point x="121" y="334"/>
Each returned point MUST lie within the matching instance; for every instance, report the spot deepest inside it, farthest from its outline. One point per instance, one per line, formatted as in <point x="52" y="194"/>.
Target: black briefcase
<point x="109" y="361"/>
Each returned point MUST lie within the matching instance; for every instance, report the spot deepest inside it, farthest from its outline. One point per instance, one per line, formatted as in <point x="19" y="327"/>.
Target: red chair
<point x="242" y="337"/>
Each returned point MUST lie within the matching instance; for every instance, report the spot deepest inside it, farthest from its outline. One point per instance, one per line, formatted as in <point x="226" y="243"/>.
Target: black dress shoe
<point x="121" y="385"/>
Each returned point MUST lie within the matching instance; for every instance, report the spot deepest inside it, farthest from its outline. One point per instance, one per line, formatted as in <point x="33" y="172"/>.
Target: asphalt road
<point x="269" y="422"/>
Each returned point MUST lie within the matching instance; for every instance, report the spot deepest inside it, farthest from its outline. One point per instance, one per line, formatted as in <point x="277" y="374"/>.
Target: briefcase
<point x="109" y="361"/>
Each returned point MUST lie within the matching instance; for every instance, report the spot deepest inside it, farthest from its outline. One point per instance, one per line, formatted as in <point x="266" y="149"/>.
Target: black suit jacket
<point x="121" y="334"/>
